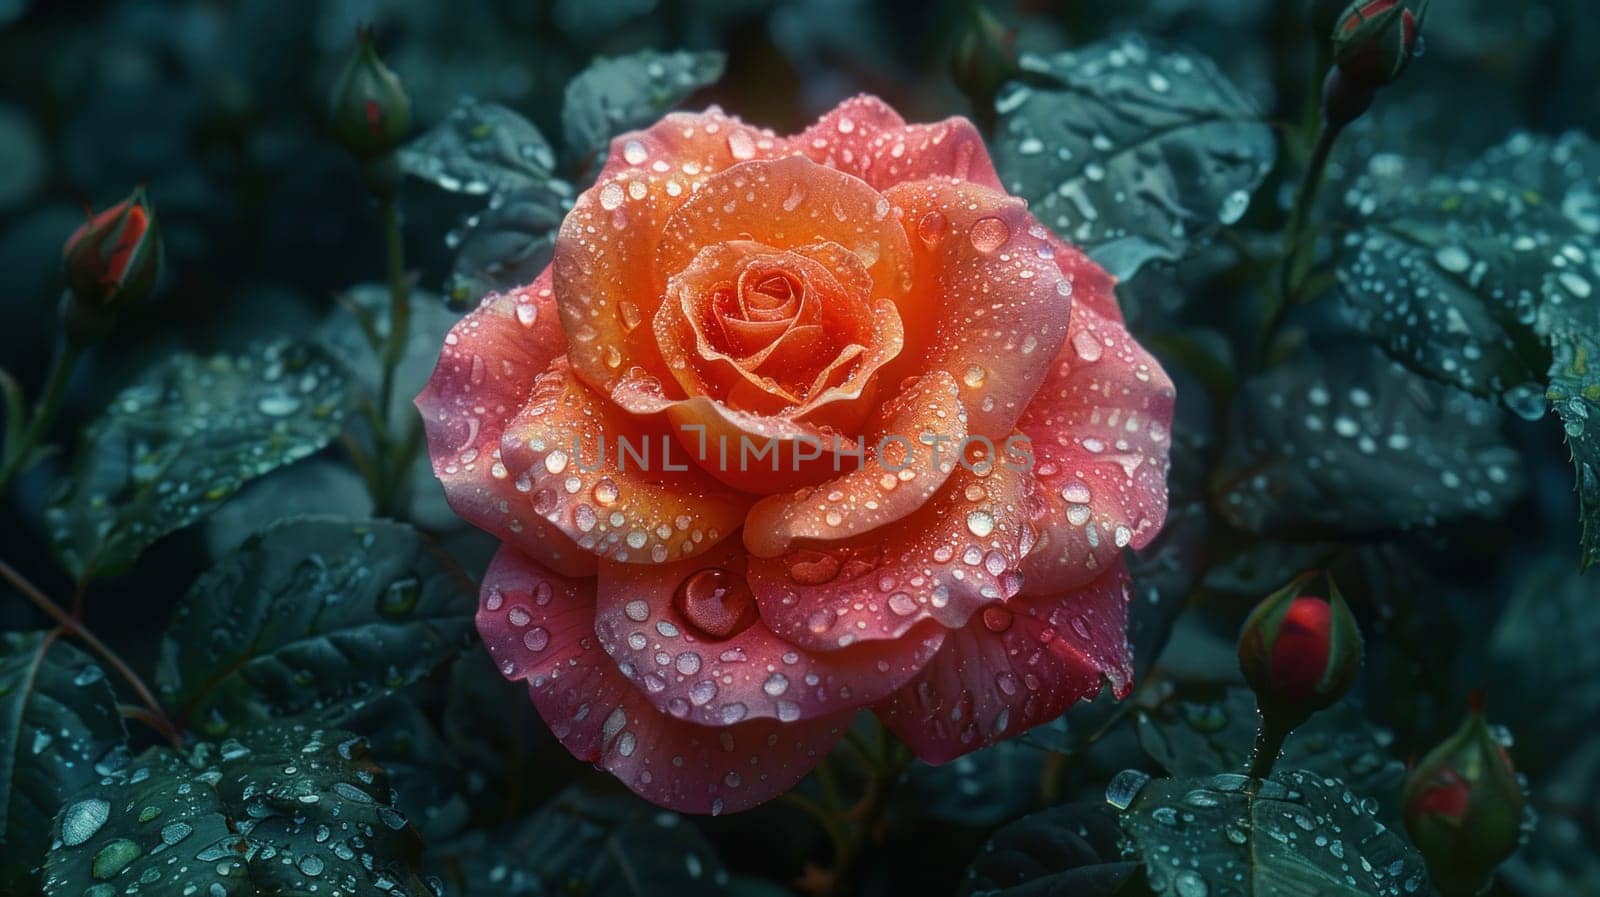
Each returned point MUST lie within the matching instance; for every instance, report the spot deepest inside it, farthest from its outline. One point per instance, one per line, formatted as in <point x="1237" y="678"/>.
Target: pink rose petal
<point x="539" y="627"/>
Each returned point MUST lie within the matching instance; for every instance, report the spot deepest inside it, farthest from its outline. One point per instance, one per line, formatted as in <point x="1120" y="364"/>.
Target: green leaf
<point x="621" y="93"/>
<point x="402" y="739"/>
<point x="1131" y="150"/>
<point x="182" y="440"/>
<point x="484" y="148"/>
<point x="1564" y="172"/>
<point x="309" y="614"/>
<point x="1348" y="443"/>
<point x="1071" y="849"/>
<point x="283" y="811"/>
<point x="1574" y="394"/>
<point x="580" y="844"/>
<point x="1299" y="833"/>
<point x="1448" y="280"/>
<point x="1205" y="730"/>
<point x="60" y="724"/>
<point x="506" y="245"/>
<point x="1490" y="281"/>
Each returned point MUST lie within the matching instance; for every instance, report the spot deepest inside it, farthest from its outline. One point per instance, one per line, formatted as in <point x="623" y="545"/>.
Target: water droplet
<point x="1125" y="787"/>
<point x="114" y="857"/>
<point x="989" y="234"/>
<point x="83" y="819"/>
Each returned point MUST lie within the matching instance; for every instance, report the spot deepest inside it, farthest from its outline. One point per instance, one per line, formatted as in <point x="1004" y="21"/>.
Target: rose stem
<point x="62" y="364"/>
<point x="158" y="717"/>
<point x="1269" y="744"/>
<point x="393" y="450"/>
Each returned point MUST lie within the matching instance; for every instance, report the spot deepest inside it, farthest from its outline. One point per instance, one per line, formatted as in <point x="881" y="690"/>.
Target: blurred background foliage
<point x="219" y="108"/>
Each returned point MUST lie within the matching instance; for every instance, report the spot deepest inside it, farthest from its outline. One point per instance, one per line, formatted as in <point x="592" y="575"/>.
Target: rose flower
<point x="793" y="427"/>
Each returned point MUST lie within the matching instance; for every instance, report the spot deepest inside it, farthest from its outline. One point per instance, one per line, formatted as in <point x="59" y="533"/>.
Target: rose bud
<point x="1299" y="653"/>
<point x="1374" y="40"/>
<point x="1463" y="807"/>
<point x="112" y="259"/>
<point x="370" y="110"/>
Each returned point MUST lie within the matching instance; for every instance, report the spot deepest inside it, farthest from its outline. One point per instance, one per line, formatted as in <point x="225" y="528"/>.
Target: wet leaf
<point x="58" y="724"/>
<point x="426" y="774"/>
<point x="620" y="93"/>
<point x="1299" y="833"/>
<point x="1563" y="171"/>
<point x="1490" y="281"/>
<point x="1131" y="150"/>
<point x="183" y="439"/>
<point x="483" y="148"/>
<point x="1071" y="849"/>
<point x="280" y="811"/>
<point x="1448" y="279"/>
<point x="507" y="244"/>
<point x="1574" y="394"/>
<point x="310" y="613"/>
<point x="596" y="846"/>
<point x="1347" y="442"/>
<point x="1215" y="729"/>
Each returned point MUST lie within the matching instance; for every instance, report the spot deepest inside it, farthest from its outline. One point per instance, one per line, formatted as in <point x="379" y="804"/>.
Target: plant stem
<point x="394" y="450"/>
<point x="1269" y="744"/>
<point x="62" y="364"/>
<point x="76" y="629"/>
<point x="1299" y="238"/>
<point x="893" y="758"/>
<point x="399" y="304"/>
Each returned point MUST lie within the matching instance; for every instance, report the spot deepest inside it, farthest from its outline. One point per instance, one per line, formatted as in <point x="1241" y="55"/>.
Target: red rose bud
<point x="1463" y="807"/>
<point x="370" y="111"/>
<point x="112" y="259"/>
<point x="1298" y="652"/>
<point x="1374" y="40"/>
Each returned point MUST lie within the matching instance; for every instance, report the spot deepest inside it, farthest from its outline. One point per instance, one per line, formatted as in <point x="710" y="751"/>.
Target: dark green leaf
<point x="404" y="741"/>
<point x="1347" y="442"/>
<point x="1130" y="150"/>
<point x="1215" y="730"/>
<point x="621" y="93"/>
<point x="484" y="148"/>
<point x="283" y="811"/>
<point x="1074" y="850"/>
<point x="1574" y="393"/>
<point x="311" y="613"/>
<point x="60" y="723"/>
<point x="1563" y="171"/>
<point x="178" y="443"/>
<point x="1487" y="281"/>
<point x="507" y="244"/>
<point x="1448" y="280"/>
<point x="586" y="845"/>
<point x="1299" y="833"/>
